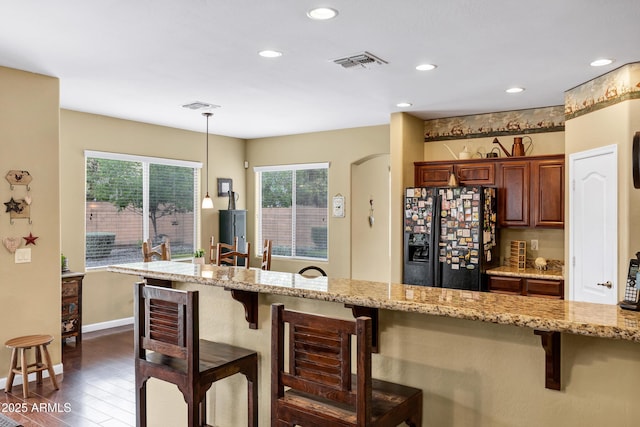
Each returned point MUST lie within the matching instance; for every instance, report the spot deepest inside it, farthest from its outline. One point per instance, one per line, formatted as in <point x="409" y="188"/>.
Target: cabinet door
<point x="513" y="193"/>
<point x="545" y="288"/>
<point x="476" y="173"/>
<point x="432" y="175"/>
<point x="505" y="285"/>
<point x="548" y="193"/>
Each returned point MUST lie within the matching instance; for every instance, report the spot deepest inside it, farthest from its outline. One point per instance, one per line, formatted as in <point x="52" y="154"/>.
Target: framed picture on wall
<point x="224" y="186"/>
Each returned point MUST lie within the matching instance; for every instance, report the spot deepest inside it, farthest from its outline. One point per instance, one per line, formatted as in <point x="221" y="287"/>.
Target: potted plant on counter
<point x="198" y="257"/>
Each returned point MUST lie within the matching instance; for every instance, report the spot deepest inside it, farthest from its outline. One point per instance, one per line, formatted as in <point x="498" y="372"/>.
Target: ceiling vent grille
<point x="199" y="105"/>
<point x="360" y="60"/>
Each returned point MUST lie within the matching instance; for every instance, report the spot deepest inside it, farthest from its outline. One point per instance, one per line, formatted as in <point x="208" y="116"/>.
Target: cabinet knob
<point x="608" y="284"/>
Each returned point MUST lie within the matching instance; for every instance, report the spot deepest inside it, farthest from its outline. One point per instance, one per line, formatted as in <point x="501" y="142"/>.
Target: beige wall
<point x="341" y="148"/>
<point x="614" y="125"/>
<point x="108" y="296"/>
<point x="370" y="193"/>
<point x="30" y="293"/>
<point x="406" y="145"/>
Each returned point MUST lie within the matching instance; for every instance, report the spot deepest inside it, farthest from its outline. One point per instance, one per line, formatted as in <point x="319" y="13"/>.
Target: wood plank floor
<point x="96" y="389"/>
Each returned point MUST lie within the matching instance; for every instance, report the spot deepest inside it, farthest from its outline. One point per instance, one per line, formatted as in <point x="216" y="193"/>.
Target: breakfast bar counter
<point x="598" y="320"/>
<point x="548" y="318"/>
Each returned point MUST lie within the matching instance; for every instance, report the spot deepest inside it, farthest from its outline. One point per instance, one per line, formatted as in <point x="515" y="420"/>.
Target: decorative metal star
<point x="12" y="206"/>
<point x="31" y="239"/>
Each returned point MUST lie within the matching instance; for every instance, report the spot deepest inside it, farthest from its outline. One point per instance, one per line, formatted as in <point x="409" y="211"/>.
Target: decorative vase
<point x="199" y="260"/>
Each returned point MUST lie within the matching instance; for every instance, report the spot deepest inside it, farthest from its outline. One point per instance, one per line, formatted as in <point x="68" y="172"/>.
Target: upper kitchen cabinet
<point x="514" y="178"/>
<point x="548" y="192"/>
<point x="432" y="174"/>
<point x="530" y="188"/>
<point x="531" y="191"/>
<point x="469" y="172"/>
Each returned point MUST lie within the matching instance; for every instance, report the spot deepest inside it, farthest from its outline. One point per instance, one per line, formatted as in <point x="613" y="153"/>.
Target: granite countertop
<point x="531" y="273"/>
<point x="599" y="320"/>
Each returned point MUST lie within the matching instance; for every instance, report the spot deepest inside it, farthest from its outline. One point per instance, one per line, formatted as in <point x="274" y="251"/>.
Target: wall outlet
<point x="534" y="245"/>
<point x="23" y="255"/>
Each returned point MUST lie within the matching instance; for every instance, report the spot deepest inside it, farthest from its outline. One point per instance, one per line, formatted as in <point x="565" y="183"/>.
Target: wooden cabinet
<point x="506" y="285"/>
<point x="434" y="174"/>
<point x="469" y="172"/>
<point x="531" y="192"/>
<point x="544" y="288"/>
<point x="548" y="193"/>
<point x="71" y="299"/>
<point x="513" y="193"/>
<point x="476" y="173"/>
<point x="530" y="189"/>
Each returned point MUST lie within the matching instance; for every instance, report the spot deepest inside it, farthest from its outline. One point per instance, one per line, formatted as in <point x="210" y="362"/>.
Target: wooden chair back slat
<point x="319" y="387"/>
<point x="160" y="252"/>
<point x="319" y="356"/>
<point x="166" y="321"/>
<point x="230" y="257"/>
<point x="222" y="249"/>
<point x="266" y="255"/>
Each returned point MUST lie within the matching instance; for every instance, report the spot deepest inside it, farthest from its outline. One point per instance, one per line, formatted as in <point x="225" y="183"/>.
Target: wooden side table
<point x="71" y="294"/>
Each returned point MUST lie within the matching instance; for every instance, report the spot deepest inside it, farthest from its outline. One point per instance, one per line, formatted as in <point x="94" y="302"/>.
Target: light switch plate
<point x="23" y="255"/>
<point x="534" y="245"/>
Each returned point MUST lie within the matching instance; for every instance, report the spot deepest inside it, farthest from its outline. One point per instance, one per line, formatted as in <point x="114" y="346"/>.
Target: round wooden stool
<point x="22" y="344"/>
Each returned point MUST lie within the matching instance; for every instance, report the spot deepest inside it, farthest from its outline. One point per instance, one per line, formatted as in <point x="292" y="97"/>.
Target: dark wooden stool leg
<point x="252" y="396"/>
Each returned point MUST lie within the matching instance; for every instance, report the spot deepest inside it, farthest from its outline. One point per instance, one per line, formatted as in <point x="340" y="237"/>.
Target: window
<point x="132" y="198"/>
<point x="293" y="209"/>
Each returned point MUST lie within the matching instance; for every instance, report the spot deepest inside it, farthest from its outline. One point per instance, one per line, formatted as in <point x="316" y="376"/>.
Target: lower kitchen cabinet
<point x="526" y="286"/>
<point x="71" y="299"/>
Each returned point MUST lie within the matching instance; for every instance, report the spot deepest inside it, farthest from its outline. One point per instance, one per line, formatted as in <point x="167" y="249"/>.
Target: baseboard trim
<point x="57" y="369"/>
<point x="106" y="325"/>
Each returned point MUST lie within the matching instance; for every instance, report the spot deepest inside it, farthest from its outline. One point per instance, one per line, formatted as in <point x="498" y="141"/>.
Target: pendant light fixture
<point x="207" y="203"/>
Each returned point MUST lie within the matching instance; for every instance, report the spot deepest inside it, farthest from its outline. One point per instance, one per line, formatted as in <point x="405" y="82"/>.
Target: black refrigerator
<point x="450" y="236"/>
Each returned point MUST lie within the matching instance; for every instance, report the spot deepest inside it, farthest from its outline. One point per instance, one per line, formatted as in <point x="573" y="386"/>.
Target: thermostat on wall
<point x="338" y="206"/>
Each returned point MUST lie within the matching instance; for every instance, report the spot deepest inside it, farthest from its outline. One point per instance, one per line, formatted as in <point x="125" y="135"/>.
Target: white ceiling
<point x="142" y="59"/>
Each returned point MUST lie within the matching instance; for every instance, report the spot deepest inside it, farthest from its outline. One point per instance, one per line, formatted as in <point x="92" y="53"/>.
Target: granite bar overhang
<point x="597" y="320"/>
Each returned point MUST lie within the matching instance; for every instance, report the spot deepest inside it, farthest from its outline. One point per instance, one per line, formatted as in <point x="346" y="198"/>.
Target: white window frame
<point x="292" y="167"/>
<point x="146" y="160"/>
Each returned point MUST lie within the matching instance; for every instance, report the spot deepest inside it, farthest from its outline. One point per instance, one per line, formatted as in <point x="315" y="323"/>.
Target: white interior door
<point x="593" y="204"/>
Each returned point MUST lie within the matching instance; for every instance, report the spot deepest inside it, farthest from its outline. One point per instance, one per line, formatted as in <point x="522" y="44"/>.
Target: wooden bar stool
<point x="21" y="345"/>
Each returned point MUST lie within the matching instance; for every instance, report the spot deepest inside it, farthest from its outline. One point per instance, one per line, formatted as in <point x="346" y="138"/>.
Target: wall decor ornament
<point x="31" y="239"/>
<point x="224" y="186"/>
<point x="12" y="243"/>
<point x="19" y="208"/>
<point x="12" y="206"/>
<point x="18" y="177"/>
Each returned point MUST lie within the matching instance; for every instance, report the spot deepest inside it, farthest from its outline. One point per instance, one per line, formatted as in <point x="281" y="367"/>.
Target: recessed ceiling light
<point x="515" y="90"/>
<point x="601" y="62"/>
<point x="322" y="13"/>
<point x="403" y="104"/>
<point x="426" y="67"/>
<point x="270" y="53"/>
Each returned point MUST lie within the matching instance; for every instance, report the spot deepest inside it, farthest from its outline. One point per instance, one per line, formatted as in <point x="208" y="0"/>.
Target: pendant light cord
<point x="207" y="115"/>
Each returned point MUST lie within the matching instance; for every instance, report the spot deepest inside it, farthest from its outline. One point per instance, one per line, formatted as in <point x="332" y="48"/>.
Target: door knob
<point x="608" y="284"/>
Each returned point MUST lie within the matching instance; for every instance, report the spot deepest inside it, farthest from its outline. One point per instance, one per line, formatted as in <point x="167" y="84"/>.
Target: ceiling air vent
<point x="199" y="105"/>
<point x="360" y="60"/>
